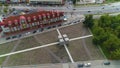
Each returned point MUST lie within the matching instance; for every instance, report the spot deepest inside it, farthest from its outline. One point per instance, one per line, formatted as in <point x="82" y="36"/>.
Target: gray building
<point x="51" y="2"/>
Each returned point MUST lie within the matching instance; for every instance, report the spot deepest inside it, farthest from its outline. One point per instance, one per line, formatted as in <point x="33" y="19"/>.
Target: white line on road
<point x="29" y="49"/>
<point x="80" y="37"/>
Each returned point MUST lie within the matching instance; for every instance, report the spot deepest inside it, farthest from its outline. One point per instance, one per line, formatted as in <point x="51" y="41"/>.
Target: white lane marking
<point x="80" y="37"/>
<point x="68" y="52"/>
<point x="29" y="49"/>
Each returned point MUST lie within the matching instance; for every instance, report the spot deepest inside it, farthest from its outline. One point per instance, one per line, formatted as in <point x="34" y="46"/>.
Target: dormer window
<point x="40" y="17"/>
<point x="48" y="15"/>
<point x="58" y="14"/>
<point x="22" y="19"/>
<point x="9" y="23"/>
<point x="34" y="17"/>
<point x="29" y="20"/>
<point x="44" y="16"/>
<point x="53" y="14"/>
<point x="16" y="22"/>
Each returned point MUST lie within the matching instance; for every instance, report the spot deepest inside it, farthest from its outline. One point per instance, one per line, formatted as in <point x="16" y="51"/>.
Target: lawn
<point x="83" y="49"/>
<point x="47" y="37"/>
<point x="39" y="56"/>
<point x="27" y="43"/>
<point x="111" y="1"/>
<point x="6" y="48"/>
<point x="74" y="31"/>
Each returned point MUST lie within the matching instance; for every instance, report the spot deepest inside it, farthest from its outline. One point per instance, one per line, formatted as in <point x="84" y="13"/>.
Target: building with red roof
<point x="32" y="21"/>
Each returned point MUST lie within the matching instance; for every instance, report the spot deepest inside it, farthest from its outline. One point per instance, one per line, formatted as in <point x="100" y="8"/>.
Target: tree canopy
<point x="106" y="31"/>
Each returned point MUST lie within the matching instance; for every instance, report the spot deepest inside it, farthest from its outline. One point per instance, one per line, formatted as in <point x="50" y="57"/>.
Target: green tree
<point x="88" y="21"/>
<point x="5" y="10"/>
<point x="99" y="35"/>
<point x="118" y="31"/>
<point x="112" y="43"/>
<point x="105" y="21"/>
<point x="116" y="54"/>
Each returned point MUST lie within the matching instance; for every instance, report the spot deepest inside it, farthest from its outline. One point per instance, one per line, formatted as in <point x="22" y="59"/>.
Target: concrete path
<point x="29" y="49"/>
<point x="68" y="52"/>
<point x="14" y="48"/>
<point x="94" y="64"/>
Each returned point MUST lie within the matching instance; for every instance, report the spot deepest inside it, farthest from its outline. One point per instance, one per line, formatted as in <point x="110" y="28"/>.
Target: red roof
<point x="13" y="19"/>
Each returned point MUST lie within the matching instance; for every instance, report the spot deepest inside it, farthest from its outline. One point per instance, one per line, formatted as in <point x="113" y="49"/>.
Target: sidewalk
<point x="94" y="64"/>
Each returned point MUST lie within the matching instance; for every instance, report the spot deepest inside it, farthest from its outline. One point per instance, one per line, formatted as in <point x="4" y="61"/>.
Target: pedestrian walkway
<point x="94" y="64"/>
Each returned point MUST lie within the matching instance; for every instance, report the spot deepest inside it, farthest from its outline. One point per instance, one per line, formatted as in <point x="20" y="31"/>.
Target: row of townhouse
<point x="27" y="22"/>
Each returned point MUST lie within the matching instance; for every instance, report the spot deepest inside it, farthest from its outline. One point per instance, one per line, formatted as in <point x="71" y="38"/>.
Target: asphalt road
<point x="82" y="10"/>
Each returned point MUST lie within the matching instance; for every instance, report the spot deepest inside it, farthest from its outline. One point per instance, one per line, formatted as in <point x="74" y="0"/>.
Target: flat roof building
<point x="47" y="2"/>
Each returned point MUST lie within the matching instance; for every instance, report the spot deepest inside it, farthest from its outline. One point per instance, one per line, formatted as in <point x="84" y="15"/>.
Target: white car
<point x="87" y="64"/>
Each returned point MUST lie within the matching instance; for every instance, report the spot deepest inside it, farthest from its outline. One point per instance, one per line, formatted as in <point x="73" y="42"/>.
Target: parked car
<point x="106" y="63"/>
<point x="19" y="35"/>
<point x="14" y="37"/>
<point x="34" y="31"/>
<point x="89" y="11"/>
<point x="87" y="64"/>
<point x="8" y="38"/>
<point x="80" y="65"/>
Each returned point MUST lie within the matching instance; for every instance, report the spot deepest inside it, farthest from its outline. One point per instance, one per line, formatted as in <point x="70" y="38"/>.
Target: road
<point x="82" y="10"/>
<point x="94" y="64"/>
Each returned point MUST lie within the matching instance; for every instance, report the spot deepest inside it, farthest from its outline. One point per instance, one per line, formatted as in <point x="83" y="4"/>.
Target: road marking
<point x="73" y="39"/>
<point x="29" y="49"/>
<point x="68" y="52"/>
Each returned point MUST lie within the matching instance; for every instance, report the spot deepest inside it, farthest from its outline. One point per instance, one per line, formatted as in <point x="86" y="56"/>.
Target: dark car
<point x="106" y="63"/>
<point x="34" y="31"/>
<point x="80" y="65"/>
<point x="89" y="11"/>
<point x="14" y="37"/>
<point x="7" y="38"/>
<point x="102" y="7"/>
<point x="19" y="36"/>
<point x="74" y="9"/>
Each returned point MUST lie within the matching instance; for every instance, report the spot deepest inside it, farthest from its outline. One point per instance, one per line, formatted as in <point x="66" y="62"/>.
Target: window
<point x="34" y="18"/>
<point x="48" y="15"/>
<point x="58" y="14"/>
<point x="22" y="21"/>
<point x="9" y="23"/>
<point x="29" y="20"/>
<point x="44" y="16"/>
<point x="53" y="15"/>
<point x="16" y="22"/>
<point x="40" y="17"/>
